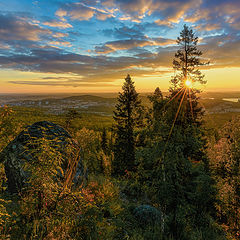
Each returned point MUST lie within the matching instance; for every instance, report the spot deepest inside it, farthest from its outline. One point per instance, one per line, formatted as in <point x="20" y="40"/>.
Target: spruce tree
<point x="156" y="111"/>
<point x="127" y="116"/>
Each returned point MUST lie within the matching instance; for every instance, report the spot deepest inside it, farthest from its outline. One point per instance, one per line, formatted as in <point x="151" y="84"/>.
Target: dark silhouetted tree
<point x="156" y="111"/>
<point x="127" y="115"/>
<point x="174" y="162"/>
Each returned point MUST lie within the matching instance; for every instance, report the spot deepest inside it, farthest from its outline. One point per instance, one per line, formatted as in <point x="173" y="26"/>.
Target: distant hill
<point x="91" y="98"/>
<point x="213" y="102"/>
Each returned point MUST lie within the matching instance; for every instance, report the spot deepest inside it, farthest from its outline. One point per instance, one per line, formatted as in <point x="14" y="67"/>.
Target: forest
<point x="149" y="173"/>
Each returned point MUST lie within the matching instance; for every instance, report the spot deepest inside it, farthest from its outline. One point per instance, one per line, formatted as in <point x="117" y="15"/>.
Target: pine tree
<point x="127" y="117"/>
<point x="185" y="110"/>
<point x="185" y="188"/>
<point x="187" y="60"/>
<point x="174" y="163"/>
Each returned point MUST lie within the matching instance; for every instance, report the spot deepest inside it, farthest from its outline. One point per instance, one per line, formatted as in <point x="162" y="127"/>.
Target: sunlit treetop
<point x="187" y="60"/>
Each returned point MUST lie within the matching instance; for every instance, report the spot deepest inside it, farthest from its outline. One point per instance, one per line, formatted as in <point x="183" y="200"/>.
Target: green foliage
<point x="8" y="126"/>
<point x="71" y="115"/>
<point x="89" y="142"/>
<point x="51" y="210"/>
<point x="225" y="166"/>
<point x="44" y="187"/>
<point x="95" y="152"/>
<point x="128" y="115"/>
<point x="187" y="59"/>
<point x="165" y="161"/>
<point x="27" y="116"/>
<point x="8" y="129"/>
<point x="173" y="167"/>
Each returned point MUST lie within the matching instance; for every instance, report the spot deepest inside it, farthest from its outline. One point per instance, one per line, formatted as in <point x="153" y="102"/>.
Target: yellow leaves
<point x="5" y="111"/>
<point x="224" y="163"/>
<point x="4" y="215"/>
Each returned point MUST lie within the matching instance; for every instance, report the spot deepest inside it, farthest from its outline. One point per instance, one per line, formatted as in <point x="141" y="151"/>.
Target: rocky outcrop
<point x="15" y="154"/>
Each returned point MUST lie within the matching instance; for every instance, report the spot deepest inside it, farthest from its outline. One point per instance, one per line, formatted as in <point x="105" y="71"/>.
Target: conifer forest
<point x="152" y="169"/>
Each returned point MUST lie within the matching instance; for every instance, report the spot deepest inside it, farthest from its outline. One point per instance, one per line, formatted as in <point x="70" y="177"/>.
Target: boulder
<point x="147" y="215"/>
<point x="15" y="154"/>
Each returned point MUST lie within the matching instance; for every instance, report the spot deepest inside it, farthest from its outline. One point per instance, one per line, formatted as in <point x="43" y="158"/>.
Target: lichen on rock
<point x="15" y="154"/>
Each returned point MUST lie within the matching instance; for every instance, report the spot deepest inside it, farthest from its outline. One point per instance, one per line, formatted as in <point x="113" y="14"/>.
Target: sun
<point x="188" y="83"/>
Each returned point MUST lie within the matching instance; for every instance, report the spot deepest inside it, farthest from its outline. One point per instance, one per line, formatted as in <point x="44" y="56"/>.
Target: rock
<point x="14" y="155"/>
<point x="147" y="215"/>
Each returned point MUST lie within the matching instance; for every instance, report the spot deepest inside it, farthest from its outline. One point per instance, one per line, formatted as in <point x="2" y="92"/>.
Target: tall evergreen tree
<point x="183" y="164"/>
<point x="127" y="117"/>
<point x="187" y="60"/>
<point x="156" y="111"/>
<point x="174" y="164"/>
<point x="185" y="110"/>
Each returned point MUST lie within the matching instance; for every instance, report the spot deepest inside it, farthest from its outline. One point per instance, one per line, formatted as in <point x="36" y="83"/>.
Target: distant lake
<point x="231" y="99"/>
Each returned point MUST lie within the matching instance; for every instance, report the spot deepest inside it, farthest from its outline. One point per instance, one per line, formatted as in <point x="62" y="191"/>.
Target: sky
<point x="56" y="46"/>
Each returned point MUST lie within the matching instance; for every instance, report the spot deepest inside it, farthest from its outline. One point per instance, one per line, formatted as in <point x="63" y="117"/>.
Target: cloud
<point x="4" y="46"/>
<point x="220" y="14"/>
<point x="18" y="29"/>
<point x="123" y="32"/>
<point x="127" y="44"/>
<point x="82" y="11"/>
<point x="223" y="50"/>
<point x="163" y="41"/>
<point x="21" y="33"/>
<point x="62" y="83"/>
<point x="28" y="44"/>
<point x="60" y="43"/>
<point x="60" y="13"/>
<point x="122" y="45"/>
<point x="164" y="22"/>
<point x="208" y="27"/>
<point x="60" y="35"/>
<point x="170" y="11"/>
<point x="58" y="24"/>
<point x="88" y="68"/>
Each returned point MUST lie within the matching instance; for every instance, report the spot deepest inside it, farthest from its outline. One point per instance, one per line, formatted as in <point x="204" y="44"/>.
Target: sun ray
<point x="177" y="114"/>
<point x="169" y="135"/>
<point x="190" y="101"/>
<point x="176" y="95"/>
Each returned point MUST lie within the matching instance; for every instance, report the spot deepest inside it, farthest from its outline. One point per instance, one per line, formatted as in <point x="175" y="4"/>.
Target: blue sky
<point x="91" y="45"/>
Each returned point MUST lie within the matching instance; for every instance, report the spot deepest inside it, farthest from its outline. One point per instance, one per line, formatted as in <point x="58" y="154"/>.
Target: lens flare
<point x="188" y="83"/>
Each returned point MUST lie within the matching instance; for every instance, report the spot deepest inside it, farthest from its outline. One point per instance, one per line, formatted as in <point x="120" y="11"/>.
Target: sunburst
<point x="188" y="83"/>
